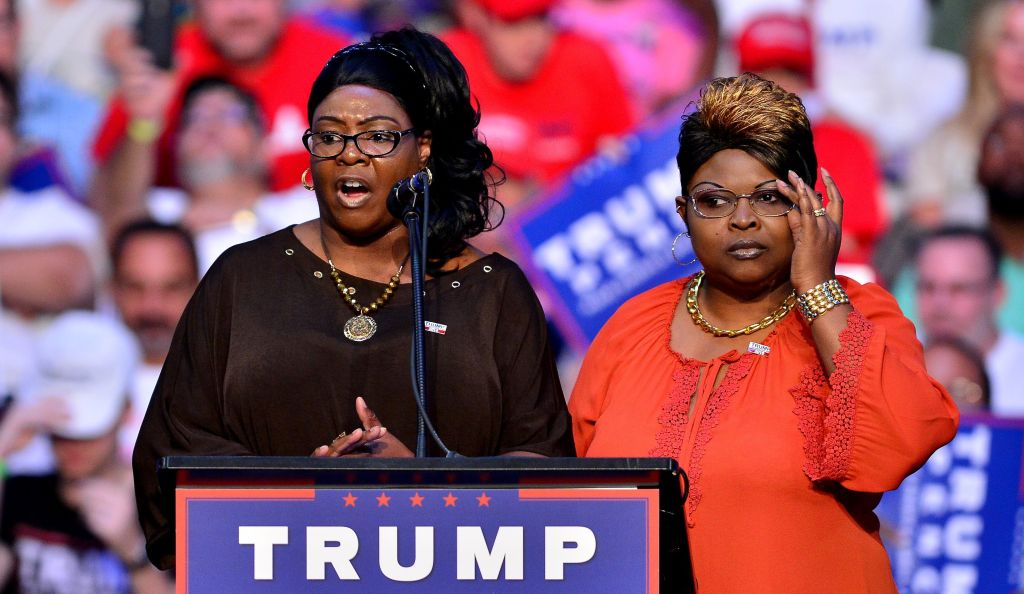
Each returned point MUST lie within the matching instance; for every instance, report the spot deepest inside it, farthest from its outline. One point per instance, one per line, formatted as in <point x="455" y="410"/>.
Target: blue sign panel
<point x="607" y="234"/>
<point x="397" y="540"/>
<point x="957" y="525"/>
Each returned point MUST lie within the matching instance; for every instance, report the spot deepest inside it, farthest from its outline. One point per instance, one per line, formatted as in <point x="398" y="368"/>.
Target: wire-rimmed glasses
<point x="715" y="203"/>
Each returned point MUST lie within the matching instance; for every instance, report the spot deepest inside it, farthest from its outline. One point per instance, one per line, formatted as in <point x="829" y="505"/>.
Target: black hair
<point x="981" y="235"/>
<point x="203" y="84"/>
<point x="754" y="115"/>
<point x="431" y="85"/>
<point x="150" y="227"/>
<point x="9" y="92"/>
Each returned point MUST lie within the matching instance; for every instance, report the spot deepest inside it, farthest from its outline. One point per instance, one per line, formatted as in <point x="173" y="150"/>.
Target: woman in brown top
<point x="270" y="357"/>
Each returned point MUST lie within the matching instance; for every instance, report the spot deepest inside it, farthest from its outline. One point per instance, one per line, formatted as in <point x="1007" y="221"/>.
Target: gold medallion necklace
<point x="360" y="327"/>
<point x="699" y="319"/>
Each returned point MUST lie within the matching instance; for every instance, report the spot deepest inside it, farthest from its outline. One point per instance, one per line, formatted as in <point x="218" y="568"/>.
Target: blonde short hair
<point x="751" y="114"/>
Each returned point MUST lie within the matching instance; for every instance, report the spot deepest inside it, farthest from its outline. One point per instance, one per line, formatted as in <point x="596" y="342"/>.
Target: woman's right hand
<point x="370" y="441"/>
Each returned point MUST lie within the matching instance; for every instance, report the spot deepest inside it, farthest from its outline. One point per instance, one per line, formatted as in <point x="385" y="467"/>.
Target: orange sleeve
<point x="879" y="416"/>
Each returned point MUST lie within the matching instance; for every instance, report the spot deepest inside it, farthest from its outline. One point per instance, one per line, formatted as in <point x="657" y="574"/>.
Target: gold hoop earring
<point x="306" y="184"/>
<point x="674" y="256"/>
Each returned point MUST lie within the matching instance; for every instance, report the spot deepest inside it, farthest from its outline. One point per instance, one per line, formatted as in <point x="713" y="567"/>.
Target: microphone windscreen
<point x="400" y="198"/>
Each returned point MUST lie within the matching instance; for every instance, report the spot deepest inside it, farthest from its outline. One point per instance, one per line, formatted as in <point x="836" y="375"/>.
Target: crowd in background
<point x="125" y="172"/>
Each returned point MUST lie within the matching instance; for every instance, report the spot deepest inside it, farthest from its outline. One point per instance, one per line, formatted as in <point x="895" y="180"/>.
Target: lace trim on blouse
<point x="674" y="416"/>
<point x="717" y="404"/>
<point x="827" y="407"/>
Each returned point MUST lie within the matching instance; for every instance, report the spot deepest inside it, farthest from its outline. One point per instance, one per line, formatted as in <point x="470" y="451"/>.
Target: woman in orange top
<point x="789" y="427"/>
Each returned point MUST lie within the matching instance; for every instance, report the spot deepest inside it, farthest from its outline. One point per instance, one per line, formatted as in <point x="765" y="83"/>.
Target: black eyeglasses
<point x="372" y="143"/>
<point x="715" y="203"/>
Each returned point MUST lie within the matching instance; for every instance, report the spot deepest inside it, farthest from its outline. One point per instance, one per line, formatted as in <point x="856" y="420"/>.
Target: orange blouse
<point x="785" y="465"/>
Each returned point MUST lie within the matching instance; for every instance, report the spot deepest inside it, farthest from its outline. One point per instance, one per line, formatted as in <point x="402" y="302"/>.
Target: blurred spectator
<point x="1001" y="173"/>
<point x="734" y="14"/>
<point x="780" y="47"/>
<point x="958" y="293"/>
<point x="357" y="19"/>
<point x="38" y="165"/>
<point x="51" y="256"/>
<point x="253" y="43"/>
<point x="548" y="98"/>
<point x="961" y="369"/>
<point x="350" y="18"/>
<point x="878" y="70"/>
<point x="9" y="39"/>
<point x="221" y="152"/>
<point x="155" y="272"/>
<point x="661" y="47"/>
<point x="76" y="530"/>
<point x="941" y="182"/>
<point x="65" y="79"/>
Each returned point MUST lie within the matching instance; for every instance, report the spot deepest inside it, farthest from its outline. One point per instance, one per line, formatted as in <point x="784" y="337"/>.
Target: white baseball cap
<point x="88" y="361"/>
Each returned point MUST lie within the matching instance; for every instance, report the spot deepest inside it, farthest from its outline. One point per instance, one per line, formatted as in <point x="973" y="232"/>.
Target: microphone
<point x="404" y="194"/>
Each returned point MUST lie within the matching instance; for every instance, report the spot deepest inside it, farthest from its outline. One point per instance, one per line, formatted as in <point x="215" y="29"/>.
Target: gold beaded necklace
<point x="360" y="327"/>
<point x="699" y="319"/>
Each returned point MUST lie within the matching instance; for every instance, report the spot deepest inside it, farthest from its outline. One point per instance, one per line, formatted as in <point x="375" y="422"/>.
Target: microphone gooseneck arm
<point x="417" y="221"/>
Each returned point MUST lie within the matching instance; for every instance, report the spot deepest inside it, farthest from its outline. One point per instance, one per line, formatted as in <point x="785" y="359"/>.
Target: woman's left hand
<point x="371" y="441"/>
<point x="816" y="237"/>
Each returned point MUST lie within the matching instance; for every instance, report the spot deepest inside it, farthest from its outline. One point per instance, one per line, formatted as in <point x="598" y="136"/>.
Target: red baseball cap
<point x="514" y="10"/>
<point x="777" y="41"/>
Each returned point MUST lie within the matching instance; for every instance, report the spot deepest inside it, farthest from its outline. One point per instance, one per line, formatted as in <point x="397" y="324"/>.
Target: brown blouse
<point x="259" y="365"/>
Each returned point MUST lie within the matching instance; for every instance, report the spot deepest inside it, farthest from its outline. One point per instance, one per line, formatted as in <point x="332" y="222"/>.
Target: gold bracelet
<point x="820" y="299"/>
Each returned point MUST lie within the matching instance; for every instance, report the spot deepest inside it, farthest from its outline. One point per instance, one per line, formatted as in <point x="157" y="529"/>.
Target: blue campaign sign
<point x="607" y="234"/>
<point x="399" y="540"/>
<point x="957" y="525"/>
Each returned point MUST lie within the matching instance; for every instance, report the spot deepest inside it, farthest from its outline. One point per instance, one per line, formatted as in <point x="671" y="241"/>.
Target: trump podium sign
<point x="401" y="529"/>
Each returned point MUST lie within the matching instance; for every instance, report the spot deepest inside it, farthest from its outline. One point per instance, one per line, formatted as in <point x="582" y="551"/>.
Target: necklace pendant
<point x="360" y="328"/>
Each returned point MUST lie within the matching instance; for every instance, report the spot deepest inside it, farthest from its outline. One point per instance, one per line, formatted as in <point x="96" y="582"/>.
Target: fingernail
<point x="781" y="183"/>
<point x="825" y="173"/>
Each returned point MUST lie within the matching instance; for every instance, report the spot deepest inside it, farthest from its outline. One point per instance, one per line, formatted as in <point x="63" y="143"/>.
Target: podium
<point x="298" y="524"/>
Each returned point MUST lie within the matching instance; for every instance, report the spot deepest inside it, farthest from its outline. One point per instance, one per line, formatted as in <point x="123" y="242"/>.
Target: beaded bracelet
<point x="820" y="299"/>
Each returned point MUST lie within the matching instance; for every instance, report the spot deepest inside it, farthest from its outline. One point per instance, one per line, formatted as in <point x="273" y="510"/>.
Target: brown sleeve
<point x="534" y="415"/>
<point x="185" y="414"/>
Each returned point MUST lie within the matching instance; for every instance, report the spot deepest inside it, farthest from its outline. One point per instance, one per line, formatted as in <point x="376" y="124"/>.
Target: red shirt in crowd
<point x="280" y="83"/>
<point x="851" y="159"/>
<point x="541" y="128"/>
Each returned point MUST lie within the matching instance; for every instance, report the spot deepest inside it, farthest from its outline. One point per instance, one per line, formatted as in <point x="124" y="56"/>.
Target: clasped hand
<point x="372" y="440"/>
<point x="816" y="238"/>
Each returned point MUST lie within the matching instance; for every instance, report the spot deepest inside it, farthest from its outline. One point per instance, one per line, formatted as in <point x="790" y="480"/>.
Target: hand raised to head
<point x="817" y="231"/>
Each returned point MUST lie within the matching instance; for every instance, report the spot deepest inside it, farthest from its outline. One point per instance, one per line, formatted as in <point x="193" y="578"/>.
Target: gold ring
<point x="340" y="436"/>
<point x="818" y="212"/>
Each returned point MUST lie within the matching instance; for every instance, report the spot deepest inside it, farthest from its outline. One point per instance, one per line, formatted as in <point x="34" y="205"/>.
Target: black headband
<point x="374" y="46"/>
